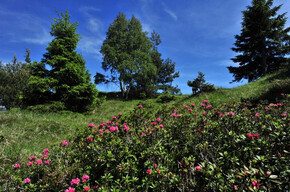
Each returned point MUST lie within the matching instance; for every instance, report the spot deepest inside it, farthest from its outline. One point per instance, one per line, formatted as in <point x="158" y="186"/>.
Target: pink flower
<point x="155" y="165"/>
<point x="158" y="171"/>
<point x="158" y="119"/>
<point x="209" y="106"/>
<point x="205" y="101"/>
<point x="85" y="178"/>
<point x="161" y="126"/>
<point x="120" y="114"/>
<point x="29" y="164"/>
<point x="235" y="187"/>
<point x="153" y="123"/>
<point x="256" y="135"/>
<point x="268" y="173"/>
<point x="112" y="129"/>
<point x="257" y="115"/>
<point x="75" y="181"/>
<point x="107" y="130"/>
<point x="38" y="162"/>
<point x="143" y="134"/>
<point x="70" y="189"/>
<point x="255" y="183"/>
<point x="185" y="106"/>
<point x="27" y="180"/>
<point x="198" y="168"/>
<point x="149" y="171"/>
<point x="190" y="110"/>
<point x="87" y="188"/>
<point x="231" y="113"/>
<point x="16" y="166"/>
<point x="114" y="117"/>
<point x="193" y="105"/>
<point x="45" y="151"/>
<point x="140" y="106"/>
<point x="282" y="94"/>
<point x="202" y="104"/>
<point x="178" y="115"/>
<point x="47" y="162"/>
<point x="96" y="187"/>
<point x="204" y="114"/>
<point x="173" y="114"/>
<point x="32" y="158"/>
<point x="126" y="128"/>
<point x="222" y="115"/>
<point x="284" y="115"/>
<point x="44" y="156"/>
<point x="64" y="143"/>
<point x="90" y="139"/>
<point x="91" y="125"/>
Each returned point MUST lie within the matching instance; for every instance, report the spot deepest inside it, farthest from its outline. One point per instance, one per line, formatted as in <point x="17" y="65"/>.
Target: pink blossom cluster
<point x="253" y="135"/>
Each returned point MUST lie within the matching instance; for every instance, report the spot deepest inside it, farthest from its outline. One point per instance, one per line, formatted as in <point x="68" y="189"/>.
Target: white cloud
<point x="171" y="13"/>
<point x="42" y="37"/>
<point x="94" y="25"/>
<point x="90" y="46"/>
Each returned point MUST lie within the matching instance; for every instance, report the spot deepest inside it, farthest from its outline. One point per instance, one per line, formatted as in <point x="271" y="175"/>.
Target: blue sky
<point x="196" y="34"/>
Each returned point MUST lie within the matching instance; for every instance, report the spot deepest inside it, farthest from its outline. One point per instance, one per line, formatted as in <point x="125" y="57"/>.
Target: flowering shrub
<point x="199" y="147"/>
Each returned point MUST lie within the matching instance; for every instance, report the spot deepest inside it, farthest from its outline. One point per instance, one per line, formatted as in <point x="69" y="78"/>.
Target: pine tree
<point x="67" y="81"/>
<point x="263" y="42"/>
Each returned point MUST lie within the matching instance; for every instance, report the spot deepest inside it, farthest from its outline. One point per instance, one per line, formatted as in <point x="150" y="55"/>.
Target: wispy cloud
<point x="171" y="13"/>
<point x="32" y="29"/>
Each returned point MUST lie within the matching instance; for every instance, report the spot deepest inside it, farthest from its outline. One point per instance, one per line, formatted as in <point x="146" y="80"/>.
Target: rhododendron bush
<point x="198" y="147"/>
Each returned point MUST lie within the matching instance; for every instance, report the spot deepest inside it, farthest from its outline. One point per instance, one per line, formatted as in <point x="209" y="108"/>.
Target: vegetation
<point x="199" y="86"/>
<point x="133" y="60"/>
<point x="67" y="83"/>
<point x="13" y="82"/>
<point x="263" y="42"/>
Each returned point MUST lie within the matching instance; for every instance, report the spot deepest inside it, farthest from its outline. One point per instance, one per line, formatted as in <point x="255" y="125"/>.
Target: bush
<point x="199" y="86"/>
<point x="199" y="147"/>
<point x="47" y="108"/>
<point x="166" y="97"/>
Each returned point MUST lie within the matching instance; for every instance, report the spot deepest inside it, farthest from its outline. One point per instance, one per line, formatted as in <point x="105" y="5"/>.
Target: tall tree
<point x="263" y="43"/>
<point x="126" y="54"/>
<point x="67" y="81"/>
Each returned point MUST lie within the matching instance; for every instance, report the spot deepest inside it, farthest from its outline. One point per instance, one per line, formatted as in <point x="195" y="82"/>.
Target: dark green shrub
<point x="166" y="97"/>
<point x="49" y="107"/>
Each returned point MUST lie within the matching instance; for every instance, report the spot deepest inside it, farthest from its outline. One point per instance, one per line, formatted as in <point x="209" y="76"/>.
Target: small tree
<point x="198" y="85"/>
<point x="67" y="81"/>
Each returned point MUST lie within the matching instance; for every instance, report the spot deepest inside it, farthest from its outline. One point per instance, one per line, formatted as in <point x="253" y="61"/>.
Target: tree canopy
<point x="263" y="43"/>
<point x="133" y="59"/>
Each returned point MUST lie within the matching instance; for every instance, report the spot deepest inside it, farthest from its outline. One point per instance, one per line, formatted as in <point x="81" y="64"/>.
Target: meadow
<point x="227" y="140"/>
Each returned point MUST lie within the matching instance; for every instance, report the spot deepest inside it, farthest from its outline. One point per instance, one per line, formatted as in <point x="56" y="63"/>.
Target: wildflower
<point x="38" y="162"/>
<point x="27" y="180"/>
<point x="202" y="104"/>
<point x="209" y="106"/>
<point x="153" y="123"/>
<point x="114" y="117"/>
<point x="194" y="114"/>
<point x="44" y="156"/>
<point x="47" y="162"/>
<point x="29" y="164"/>
<point x="87" y="188"/>
<point x="91" y="125"/>
<point x="126" y="128"/>
<point x="282" y="94"/>
<point x="257" y="115"/>
<point x="70" y="189"/>
<point x="256" y="135"/>
<point x="107" y="130"/>
<point x="149" y="171"/>
<point x="161" y="126"/>
<point x="155" y="165"/>
<point x="158" y="119"/>
<point x="75" y="181"/>
<point x="205" y="101"/>
<point x="185" y="106"/>
<point x="284" y="115"/>
<point x="268" y="173"/>
<point x="90" y="139"/>
<point x="255" y="183"/>
<point x="279" y="154"/>
<point x="231" y="113"/>
<point x="198" y="130"/>
<point x="96" y="187"/>
<point x="32" y="158"/>
<point x="45" y="151"/>
<point x="222" y="115"/>
<point x="173" y="114"/>
<point x="143" y="134"/>
<point x="16" y="166"/>
<point x="116" y="123"/>
<point x="246" y="172"/>
<point x="140" y="106"/>
<point x="158" y="171"/>
<point x="204" y="114"/>
<point x="112" y="129"/>
<point x="198" y="168"/>
<point x="120" y="114"/>
<point x="193" y="105"/>
<point x="85" y="178"/>
<point x="235" y="187"/>
<point x="64" y="143"/>
<point x="190" y="110"/>
<point x="178" y="115"/>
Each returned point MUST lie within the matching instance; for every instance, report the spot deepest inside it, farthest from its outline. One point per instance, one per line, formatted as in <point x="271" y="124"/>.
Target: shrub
<point x="46" y="108"/>
<point x="166" y="97"/>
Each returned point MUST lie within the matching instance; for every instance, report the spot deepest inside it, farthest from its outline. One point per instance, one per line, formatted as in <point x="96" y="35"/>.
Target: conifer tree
<point x="263" y="42"/>
<point x="67" y="81"/>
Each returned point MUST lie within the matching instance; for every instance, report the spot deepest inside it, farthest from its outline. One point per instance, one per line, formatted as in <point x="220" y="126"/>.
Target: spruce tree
<point x="263" y="42"/>
<point x="67" y="81"/>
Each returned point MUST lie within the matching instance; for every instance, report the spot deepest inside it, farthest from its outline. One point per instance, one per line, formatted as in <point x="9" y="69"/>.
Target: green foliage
<point x="199" y="86"/>
<point x="200" y="147"/>
<point x="166" y="97"/>
<point x="134" y="61"/>
<point x="13" y="82"/>
<point x="263" y="42"/>
<point x="48" y="107"/>
<point x="67" y="81"/>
